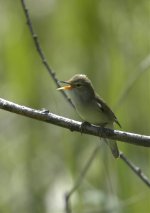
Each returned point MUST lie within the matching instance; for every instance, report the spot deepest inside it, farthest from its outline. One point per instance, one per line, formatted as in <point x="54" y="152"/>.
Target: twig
<point x="127" y="137"/>
<point x="135" y="169"/>
<point x="79" y="180"/>
<point x="40" y="51"/>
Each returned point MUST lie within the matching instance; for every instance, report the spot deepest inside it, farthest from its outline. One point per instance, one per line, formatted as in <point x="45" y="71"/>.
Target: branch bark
<point x="45" y="116"/>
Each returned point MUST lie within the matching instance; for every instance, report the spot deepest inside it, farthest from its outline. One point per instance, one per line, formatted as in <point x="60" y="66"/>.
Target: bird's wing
<point x="105" y="109"/>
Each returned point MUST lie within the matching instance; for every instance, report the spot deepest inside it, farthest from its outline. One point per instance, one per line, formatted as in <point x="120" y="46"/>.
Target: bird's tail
<point x="112" y="144"/>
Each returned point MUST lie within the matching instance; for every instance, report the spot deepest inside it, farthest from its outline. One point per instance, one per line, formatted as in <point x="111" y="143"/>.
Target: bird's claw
<point x="102" y="126"/>
<point x="83" y="125"/>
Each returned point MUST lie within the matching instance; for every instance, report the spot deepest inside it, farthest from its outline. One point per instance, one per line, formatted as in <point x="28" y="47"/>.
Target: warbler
<point x="90" y="107"/>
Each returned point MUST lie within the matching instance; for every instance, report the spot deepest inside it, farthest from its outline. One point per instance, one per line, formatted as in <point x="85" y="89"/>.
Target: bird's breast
<point x="89" y="111"/>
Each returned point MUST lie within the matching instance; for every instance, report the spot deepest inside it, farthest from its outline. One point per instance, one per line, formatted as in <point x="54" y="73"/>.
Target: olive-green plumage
<point x="90" y="106"/>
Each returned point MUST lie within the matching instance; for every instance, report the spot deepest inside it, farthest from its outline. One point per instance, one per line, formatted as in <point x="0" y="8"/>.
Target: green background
<point x="110" y="42"/>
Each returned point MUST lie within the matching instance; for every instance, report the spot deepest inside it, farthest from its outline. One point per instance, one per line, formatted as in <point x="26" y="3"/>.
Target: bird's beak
<point x="67" y="87"/>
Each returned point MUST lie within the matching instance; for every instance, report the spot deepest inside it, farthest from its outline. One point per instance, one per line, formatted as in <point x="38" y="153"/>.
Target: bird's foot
<point x="83" y="125"/>
<point x="101" y="129"/>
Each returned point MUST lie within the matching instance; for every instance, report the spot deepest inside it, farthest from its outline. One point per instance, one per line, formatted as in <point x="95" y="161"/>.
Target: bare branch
<point x="92" y="130"/>
<point x="85" y="169"/>
<point x="40" y="51"/>
<point x="135" y="169"/>
<point x="131" y="138"/>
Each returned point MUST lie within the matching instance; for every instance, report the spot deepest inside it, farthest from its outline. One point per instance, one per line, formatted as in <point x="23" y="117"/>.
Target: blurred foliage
<point x="107" y="40"/>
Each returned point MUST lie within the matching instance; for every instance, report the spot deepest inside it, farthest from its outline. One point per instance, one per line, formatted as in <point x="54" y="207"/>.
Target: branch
<point x="135" y="169"/>
<point x="45" y="116"/>
<point x="40" y="51"/>
<point x="85" y="169"/>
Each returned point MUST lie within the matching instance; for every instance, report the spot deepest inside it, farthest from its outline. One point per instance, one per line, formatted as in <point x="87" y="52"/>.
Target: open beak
<point x="67" y="87"/>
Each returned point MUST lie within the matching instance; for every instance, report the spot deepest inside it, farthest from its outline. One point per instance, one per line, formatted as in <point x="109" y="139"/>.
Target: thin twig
<point x="40" y="51"/>
<point x="79" y="180"/>
<point x="83" y="173"/>
<point x="135" y="169"/>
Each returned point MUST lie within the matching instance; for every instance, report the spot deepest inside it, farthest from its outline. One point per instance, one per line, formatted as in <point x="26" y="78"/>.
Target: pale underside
<point x="92" y="112"/>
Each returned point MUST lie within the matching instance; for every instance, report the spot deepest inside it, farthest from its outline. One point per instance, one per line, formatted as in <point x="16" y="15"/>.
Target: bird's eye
<point x="78" y="85"/>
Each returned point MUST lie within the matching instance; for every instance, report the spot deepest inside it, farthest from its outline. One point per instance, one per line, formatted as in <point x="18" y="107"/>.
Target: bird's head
<point x="79" y="84"/>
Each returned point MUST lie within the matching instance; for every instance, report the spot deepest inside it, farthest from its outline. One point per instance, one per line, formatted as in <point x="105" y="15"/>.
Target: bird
<point x="90" y="106"/>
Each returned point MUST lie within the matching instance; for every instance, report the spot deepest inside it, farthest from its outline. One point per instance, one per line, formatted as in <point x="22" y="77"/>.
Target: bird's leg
<point x="102" y="126"/>
<point x="83" y="125"/>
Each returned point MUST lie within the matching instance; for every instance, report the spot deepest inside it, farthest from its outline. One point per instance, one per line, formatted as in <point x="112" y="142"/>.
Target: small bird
<point x="90" y="107"/>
